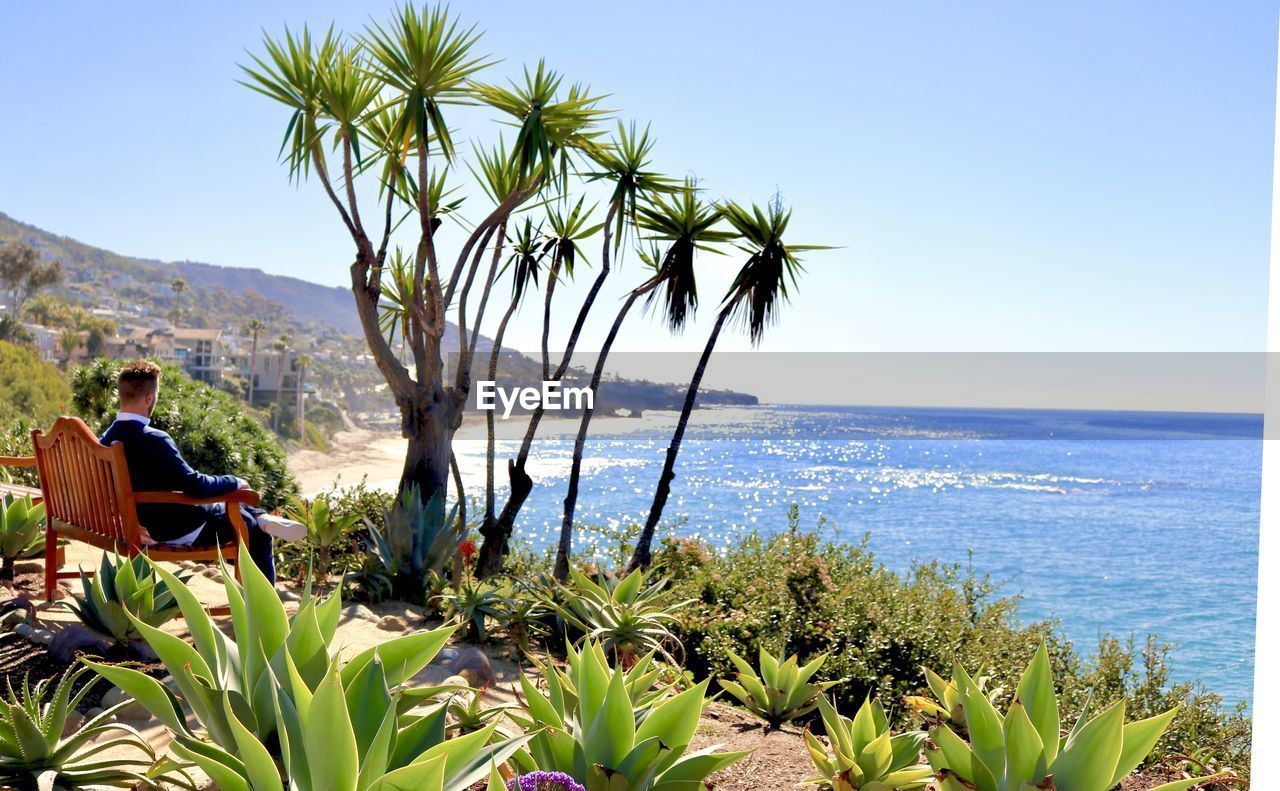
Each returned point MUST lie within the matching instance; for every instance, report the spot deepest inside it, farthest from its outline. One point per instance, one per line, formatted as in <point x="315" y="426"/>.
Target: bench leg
<point x="50" y="562"/>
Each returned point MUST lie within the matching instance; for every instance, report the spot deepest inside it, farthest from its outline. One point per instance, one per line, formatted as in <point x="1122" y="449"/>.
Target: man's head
<point x="138" y="386"/>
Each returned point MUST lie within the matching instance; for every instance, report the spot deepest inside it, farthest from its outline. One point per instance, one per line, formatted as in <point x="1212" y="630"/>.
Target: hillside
<point x="325" y="316"/>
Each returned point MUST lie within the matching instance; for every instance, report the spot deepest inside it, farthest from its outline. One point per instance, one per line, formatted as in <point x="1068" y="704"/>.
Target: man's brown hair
<point x="137" y="379"/>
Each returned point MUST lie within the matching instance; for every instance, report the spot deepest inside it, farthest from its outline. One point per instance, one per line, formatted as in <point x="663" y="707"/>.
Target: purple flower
<point x="544" y="781"/>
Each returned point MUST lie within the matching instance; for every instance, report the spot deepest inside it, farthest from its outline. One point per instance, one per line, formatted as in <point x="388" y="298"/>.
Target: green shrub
<point x="348" y="552"/>
<point x="213" y="431"/>
<point x="796" y="592"/>
<point x="31" y="388"/>
<point x="629" y="615"/>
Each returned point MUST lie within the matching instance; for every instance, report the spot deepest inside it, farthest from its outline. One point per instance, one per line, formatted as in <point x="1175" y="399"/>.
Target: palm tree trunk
<point x="462" y="516"/>
<point x="253" y="366"/>
<point x="275" y="419"/>
<point x="302" y="397"/>
<point x="579" y="444"/>
<point x="493" y="550"/>
<point x="641" y="556"/>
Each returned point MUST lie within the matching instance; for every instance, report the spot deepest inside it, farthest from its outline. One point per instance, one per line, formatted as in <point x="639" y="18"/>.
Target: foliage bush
<point x="214" y="432"/>
<point x="32" y="395"/>
<point x="796" y="592"/>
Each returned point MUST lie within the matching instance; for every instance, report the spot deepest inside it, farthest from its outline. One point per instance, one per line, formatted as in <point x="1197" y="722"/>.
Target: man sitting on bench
<point x="155" y="465"/>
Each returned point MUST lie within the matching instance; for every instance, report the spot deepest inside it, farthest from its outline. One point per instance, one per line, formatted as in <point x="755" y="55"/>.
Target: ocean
<point x="1112" y="523"/>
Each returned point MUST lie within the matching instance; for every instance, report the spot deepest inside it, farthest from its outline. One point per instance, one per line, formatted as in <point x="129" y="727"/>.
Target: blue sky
<point x="998" y="176"/>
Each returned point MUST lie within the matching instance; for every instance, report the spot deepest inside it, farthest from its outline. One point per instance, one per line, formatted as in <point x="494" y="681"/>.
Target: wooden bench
<point x="88" y="497"/>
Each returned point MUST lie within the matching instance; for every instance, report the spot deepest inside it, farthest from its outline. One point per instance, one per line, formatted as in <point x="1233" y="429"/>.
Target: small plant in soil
<point x="34" y="753"/>
<point x="124" y="585"/>
<point x="21" y="532"/>
<point x="781" y="691"/>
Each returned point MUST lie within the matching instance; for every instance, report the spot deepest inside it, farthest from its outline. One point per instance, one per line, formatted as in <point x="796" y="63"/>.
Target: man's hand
<point x="242" y="484"/>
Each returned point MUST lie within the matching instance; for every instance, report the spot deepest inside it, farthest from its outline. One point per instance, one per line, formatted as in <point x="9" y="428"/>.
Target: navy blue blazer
<point x="155" y="465"/>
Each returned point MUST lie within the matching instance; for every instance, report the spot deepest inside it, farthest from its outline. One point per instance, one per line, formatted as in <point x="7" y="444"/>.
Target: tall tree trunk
<point x="521" y="483"/>
<point x="275" y="419"/>
<point x="462" y="517"/>
<point x="429" y="427"/>
<point x="302" y="398"/>
<point x="494" y="549"/>
<point x="579" y="444"/>
<point x="253" y="366"/>
<point x="641" y="556"/>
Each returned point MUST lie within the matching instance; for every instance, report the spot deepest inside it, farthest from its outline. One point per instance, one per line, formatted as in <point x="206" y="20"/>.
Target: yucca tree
<point x="624" y="164"/>
<point x="525" y="262"/>
<point x="687" y="225"/>
<point x="762" y="284"/>
<point x="255" y="328"/>
<point x="376" y="103"/>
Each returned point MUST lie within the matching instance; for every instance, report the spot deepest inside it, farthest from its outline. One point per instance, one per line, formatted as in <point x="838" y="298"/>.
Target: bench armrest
<point x="17" y="461"/>
<point x="246" y="496"/>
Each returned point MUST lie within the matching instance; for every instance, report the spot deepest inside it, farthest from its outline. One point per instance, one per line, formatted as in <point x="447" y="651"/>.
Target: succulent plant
<point x="474" y="602"/>
<point x="593" y="729"/>
<point x="21" y="531"/>
<point x="629" y="616"/>
<point x="946" y="704"/>
<point x="273" y="702"/>
<point x="781" y="691"/>
<point x="419" y="538"/>
<point x="34" y="753"/>
<point x="323" y="528"/>
<point x="864" y="755"/>
<point x="119" y="585"/>
<point x="1024" y="748"/>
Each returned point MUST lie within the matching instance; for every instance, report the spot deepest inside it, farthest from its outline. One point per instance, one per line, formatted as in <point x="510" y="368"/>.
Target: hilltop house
<point x="199" y="352"/>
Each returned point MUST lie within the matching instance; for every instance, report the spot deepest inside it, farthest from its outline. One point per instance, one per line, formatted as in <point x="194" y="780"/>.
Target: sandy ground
<point x="379" y="455"/>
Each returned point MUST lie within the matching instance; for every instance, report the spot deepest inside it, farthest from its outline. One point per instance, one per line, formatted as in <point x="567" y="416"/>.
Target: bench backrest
<point x="85" y="483"/>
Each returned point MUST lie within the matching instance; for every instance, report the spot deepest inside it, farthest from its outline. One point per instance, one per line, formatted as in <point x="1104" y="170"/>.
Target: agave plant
<point x="864" y="755"/>
<point x="523" y="618"/>
<point x="1025" y="748"/>
<point x="780" y="692"/>
<point x="474" y="602"/>
<point x="630" y="616"/>
<point x="467" y="713"/>
<point x="120" y="585"/>
<point x="602" y="729"/>
<point x="273" y="703"/>
<point x="947" y="705"/>
<point x="20" y="531"/>
<point x="420" y="538"/>
<point x="34" y="753"/>
<point x="323" y="528"/>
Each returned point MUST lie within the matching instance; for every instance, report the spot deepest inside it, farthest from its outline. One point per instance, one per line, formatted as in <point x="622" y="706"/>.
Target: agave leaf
<point x="260" y="769"/>
<point x="331" y="749"/>
<point x="1035" y="691"/>
<point x="1139" y="738"/>
<point x="1091" y="756"/>
<point x="1025" y="760"/>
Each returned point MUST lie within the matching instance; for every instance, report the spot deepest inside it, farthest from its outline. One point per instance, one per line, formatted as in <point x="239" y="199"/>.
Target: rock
<point x="473" y="665"/>
<point x="23" y="630"/>
<point x="75" y="639"/>
<point x="392" y="623"/>
<point x="132" y="711"/>
<point x="358" y="612"/>
<point x="74" y="720"/>
<point x="212" y="573"/>
<point x="93" y="712"/>
<point x="446" y="655"/>
<point x="42" y="636"/>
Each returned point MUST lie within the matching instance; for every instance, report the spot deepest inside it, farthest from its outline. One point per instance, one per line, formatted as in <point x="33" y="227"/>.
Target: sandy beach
<point x="379" y="455"/>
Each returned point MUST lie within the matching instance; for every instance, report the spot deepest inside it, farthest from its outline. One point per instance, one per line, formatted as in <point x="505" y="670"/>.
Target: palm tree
<point x="281" y="348"/>
<point x="179" y="286"/>
<point x="303" y="361"/>
<point x="759" y="288"/>
<point x="255" y="327"/>
<point x="688" y="225"/>
<point x="69" y="340"/>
